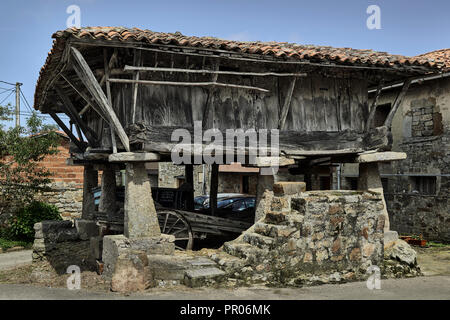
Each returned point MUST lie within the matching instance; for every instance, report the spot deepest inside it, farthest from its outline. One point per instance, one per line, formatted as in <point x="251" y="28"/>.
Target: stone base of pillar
<point x="116" y="245"/>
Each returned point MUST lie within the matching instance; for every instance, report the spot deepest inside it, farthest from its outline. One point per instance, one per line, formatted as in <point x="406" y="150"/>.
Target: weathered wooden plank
<point x="108" y="93"/>
<point x="73" y="114"/>
<point x="373" y="107"/>
<point x="397" y="103"/>
<point x="287" y="104"/>
<point x="206" y="71"/>
<point x="69" y="133"/>
<point x="96" y="91"/>
<point x="188" y="84"/>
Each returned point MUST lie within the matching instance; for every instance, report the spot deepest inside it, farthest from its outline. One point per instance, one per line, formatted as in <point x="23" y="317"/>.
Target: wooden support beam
<point x="209" y="100"/>
<point x="108" y="93"/>
<point x="398" y="101"/>
<point x="69" y="133"/>
<point x="214" y="188"/>
<point x="287" y="104"/>
<point x="71" y="111"/>
<point x="137" y="60"/>
<point x="189" y="174"/>
<point x="188" y="84"/>
<point x="373" y="108"/>
<point x="88" y="78"/>
<point x="206" y="71"/>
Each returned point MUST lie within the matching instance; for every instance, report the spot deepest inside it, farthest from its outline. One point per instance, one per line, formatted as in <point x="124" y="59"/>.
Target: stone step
<point x="167" y="267"/>
<point x="284" y="219"/>
<point x="245" y="251"/>
<point x="259" y="240"/>
<point x="273" y="230"/>
<point x="203" y="277"/>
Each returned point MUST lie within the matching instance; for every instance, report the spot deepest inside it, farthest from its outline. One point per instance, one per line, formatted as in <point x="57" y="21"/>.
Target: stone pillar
<point x="264" y="195"/>
<point x="141" y="220"/>
<point x="369" y="179"/>
<point x="108" y="198"/>
<point x="90" y="182"/>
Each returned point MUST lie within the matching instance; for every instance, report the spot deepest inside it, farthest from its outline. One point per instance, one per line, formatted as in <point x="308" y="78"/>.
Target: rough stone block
<point x="288" y="188"/>
<point x="46" y="227"/>
<point x="200" y="277"/>
<point x="389" y="238"/>
<point x="115" y="245"/>
<point x="131" y="273"/>
<point x="86" y="229"/>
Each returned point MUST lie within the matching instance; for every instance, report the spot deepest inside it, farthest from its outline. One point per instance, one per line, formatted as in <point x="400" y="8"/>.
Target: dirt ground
<point x="433" y="261"/>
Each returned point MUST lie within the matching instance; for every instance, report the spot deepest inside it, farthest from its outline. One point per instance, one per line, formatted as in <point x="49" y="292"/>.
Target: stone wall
<point x="309" y="238"/>
<point x="67" y="197"/>
<point x="421" y="128"/>
<point x="63" y="243"/>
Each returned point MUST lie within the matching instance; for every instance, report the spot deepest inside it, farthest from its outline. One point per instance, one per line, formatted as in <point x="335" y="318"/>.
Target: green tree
<point x="21" y="149"/>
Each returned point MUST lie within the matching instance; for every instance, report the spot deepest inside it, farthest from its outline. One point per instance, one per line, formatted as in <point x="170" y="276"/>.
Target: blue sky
<point x="407" y="27"/>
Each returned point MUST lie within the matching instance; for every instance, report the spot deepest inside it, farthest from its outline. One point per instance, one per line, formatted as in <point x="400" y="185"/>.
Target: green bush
<point x="21" y="226"/>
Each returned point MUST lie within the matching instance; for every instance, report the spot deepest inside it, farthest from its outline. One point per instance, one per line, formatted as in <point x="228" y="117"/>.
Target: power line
<point x="11" y="84"/>
<point x="7" y="97"/>
<point x="26" y="102"/>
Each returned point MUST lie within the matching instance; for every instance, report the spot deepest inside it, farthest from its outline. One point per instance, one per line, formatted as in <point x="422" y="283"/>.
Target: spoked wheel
<point x="172" y="222"/>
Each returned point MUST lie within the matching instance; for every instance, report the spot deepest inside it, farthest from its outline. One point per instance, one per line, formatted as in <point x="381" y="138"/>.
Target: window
<point x="239" y="206"/>
<point x="424" y="185"/>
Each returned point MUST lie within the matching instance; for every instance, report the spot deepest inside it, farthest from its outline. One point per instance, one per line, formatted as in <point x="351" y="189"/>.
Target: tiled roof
<point x="440" y="56"/>
<point x="276" y="50"/>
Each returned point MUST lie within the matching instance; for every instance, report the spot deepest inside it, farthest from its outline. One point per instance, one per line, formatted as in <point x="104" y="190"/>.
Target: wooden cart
<point x="186" y="226"/>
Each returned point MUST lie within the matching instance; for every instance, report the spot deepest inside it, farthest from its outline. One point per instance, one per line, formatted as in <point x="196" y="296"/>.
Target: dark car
<point x="240" y="208"/>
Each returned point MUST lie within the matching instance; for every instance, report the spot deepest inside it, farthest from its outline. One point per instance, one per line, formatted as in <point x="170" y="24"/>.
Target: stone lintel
<point x="134" y="157"/>
<point x="273" y="162"/>
<point x="380" y="157"/>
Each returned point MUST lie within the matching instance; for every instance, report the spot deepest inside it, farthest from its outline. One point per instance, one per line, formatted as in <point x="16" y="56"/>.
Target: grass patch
<point x="437" y="244"/>
<point x="7" y="244"/>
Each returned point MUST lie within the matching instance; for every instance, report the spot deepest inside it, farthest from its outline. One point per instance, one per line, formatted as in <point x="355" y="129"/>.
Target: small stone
<point x="368" y="249"/>
<point x="288" y="188"/>
<point x="308" y="257"/>
<point x="355" y="254"/>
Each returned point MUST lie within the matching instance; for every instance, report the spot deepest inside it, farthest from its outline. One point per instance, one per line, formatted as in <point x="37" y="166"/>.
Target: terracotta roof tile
<point x="282" y="50"/>
<point x="438" y="56"/>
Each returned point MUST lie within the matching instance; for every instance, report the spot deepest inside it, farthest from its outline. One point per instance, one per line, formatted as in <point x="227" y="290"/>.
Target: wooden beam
<point x="209" y="100"/>
<point x="205" y="71"/>
<point x="71" y="111"/>
<point x="66" y="130"/>
<point x="373" y="108"/>
<point x="189" y="174"/>
<point x="188" y="84"/>
<point x="108" y="92"/>
<point x="214" y="186"/>
<point x="85" y="73"/>
<point x="137" y="60"/>
<point x="286" y="105"/>
<point x="398" y="101"/>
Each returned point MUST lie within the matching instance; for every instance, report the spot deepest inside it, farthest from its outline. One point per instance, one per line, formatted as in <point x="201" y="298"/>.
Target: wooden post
<point x="373" y="109"/>
<point x="214" y="188"/>
<point x="287" y="104"/>
<point x="108" y="197"/>
<point x="189" y="173"/>
<point x="90" y="182"/>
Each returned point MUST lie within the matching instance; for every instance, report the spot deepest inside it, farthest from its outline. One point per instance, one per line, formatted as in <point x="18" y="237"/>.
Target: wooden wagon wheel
<point x="172" y="222"/>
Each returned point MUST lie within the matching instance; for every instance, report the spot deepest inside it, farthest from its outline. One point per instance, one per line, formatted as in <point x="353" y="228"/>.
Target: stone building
<point x="417" y="189"/>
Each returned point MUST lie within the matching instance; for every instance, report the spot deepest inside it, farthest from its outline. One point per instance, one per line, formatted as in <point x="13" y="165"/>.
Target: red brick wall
<point x="57" y="165"/>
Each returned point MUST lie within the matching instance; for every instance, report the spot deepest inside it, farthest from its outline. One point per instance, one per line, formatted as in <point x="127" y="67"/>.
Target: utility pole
<point x="18" y="84"/>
